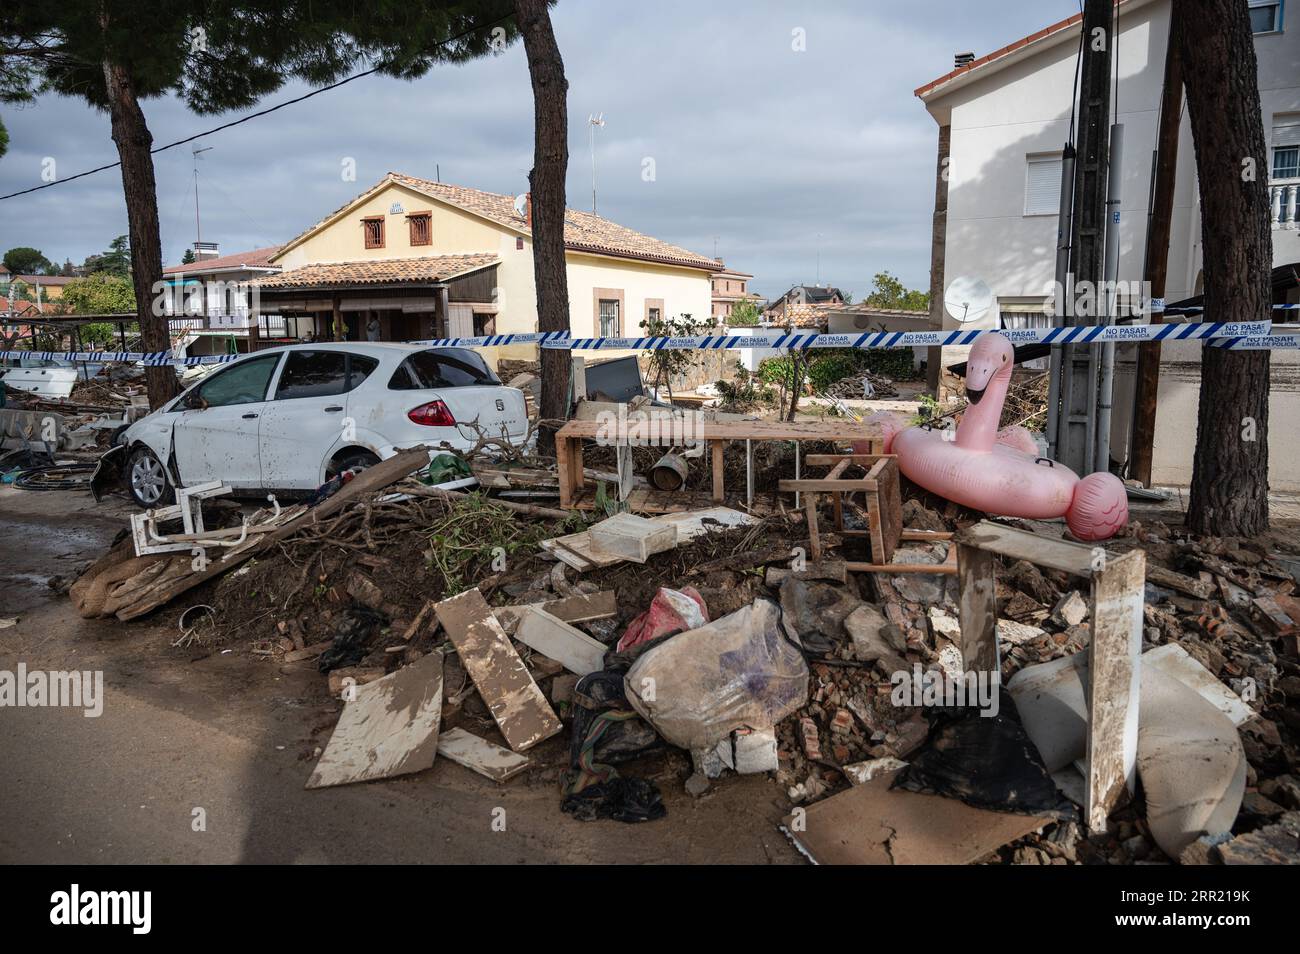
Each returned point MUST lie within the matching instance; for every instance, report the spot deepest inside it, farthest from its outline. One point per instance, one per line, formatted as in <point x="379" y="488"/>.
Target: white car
<point x="288" y="419"/>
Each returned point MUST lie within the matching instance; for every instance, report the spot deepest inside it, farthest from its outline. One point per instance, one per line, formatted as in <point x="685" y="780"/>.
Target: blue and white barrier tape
<point x="1221" y="334"/>
<point x="1078" y="334"/>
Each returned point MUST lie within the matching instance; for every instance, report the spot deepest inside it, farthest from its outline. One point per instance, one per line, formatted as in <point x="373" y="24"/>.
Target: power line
<point x="244" y="119"/>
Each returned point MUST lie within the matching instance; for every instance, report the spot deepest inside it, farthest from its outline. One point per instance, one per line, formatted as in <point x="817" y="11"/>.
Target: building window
<point x="653" y="315"/>
<point x="374" y="227"/>
<point x="609" y="318"/>
<point x="421" y="225"/>
<point x="1042" y="185"/>
<point x="1286" y="162"/>
<point x="1266" y="16"/>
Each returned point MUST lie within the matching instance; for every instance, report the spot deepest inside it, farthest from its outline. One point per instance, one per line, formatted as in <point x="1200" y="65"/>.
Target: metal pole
<point x="1063" y="230"/>
<point x="1106" y="386"/>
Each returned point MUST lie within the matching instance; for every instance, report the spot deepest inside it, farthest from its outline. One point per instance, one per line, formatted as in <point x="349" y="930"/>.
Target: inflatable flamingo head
<point x="1099" y="508"/>
<point x="990" y="356"/>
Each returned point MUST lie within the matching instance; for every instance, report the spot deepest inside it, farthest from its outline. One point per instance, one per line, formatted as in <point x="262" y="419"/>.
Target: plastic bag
<point x="697" y="687"/>
<point x="671" y="611"/>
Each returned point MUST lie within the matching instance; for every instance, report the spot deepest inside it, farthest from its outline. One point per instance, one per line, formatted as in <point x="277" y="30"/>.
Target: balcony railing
<point x="1284" y="197"/>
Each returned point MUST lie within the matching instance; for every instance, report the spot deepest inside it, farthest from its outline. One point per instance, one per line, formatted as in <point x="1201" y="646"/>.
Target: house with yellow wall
<point x="413" y="259"/>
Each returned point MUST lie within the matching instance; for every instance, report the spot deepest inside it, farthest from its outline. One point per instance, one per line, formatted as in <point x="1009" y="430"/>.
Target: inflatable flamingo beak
<point x="978" y="377"/>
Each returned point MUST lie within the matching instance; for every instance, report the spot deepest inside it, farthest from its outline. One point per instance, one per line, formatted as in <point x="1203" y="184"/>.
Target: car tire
<point x="353" y="460"/>
<point x="147" y="480"/>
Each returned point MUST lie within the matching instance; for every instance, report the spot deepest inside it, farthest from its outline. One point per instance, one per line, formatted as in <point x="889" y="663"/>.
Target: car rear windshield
<point x="442" y="368"/>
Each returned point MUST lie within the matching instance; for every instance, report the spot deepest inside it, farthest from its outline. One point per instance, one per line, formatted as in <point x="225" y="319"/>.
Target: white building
<point x="1003" y="119"/>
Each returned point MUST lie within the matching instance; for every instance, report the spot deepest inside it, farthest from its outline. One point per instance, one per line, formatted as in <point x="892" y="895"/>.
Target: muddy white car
<point x="285" y="420"/>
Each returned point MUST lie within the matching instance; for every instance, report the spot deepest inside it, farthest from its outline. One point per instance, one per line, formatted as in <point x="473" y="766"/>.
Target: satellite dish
<point x="968" y="299"/>
<point x="521" y="205"/>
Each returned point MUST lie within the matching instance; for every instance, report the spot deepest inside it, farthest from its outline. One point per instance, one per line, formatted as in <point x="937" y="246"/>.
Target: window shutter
<point x="1286" y="129"/>
<point x="1042" y="185"/>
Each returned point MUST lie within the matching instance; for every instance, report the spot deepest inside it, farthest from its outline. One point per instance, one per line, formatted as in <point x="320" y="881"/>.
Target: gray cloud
<point x="784" y="158"/>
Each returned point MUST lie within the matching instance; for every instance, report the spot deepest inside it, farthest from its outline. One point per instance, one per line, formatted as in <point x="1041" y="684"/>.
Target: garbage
<point x="480" y="755"/>
<point x="518" y="706"/>
<point x="876" y="824"/>
<point x="986" y="761"/>
<point x="633" y="538"/>
<point x="389" y="727"/>
<point x="606" y="732"/>
<point x="743" y="670"/>
<point x="571" y="647"/>
<point x="671" y="611"/>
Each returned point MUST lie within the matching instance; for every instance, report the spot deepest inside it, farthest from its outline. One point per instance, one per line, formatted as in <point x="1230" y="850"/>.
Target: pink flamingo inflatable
<point x="1000" y="472"/>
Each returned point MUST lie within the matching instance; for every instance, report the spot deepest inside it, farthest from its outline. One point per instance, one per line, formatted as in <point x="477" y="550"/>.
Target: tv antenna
<point x="594" y="120"/>
<point x="196" y="153"/>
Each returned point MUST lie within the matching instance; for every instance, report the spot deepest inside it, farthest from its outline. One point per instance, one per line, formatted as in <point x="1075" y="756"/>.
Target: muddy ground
<point x="219" y="735"/>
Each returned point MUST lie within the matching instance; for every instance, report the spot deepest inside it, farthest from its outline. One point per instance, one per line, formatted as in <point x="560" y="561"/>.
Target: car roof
<point x="376" y="349"/>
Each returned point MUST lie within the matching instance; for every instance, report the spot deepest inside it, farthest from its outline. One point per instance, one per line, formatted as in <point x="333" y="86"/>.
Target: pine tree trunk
<point x="546" y="182"/>
<point x="134" y="142"/>
<point x="1229" y="494"/>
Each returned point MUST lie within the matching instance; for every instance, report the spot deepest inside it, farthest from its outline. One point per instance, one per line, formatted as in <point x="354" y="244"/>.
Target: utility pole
<point x="1077" y="369"/>
<point x="592" y="122"/>
<point x="1157" y="261"/>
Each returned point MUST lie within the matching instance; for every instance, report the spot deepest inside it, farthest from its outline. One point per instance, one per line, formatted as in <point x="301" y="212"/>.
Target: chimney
<point x="528" y="210"/>
<point x="203" y="251"/>
<point x="962" y="59"/>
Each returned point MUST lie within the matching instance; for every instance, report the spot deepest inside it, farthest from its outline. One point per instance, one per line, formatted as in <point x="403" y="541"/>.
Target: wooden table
<point x="675" y="432"/>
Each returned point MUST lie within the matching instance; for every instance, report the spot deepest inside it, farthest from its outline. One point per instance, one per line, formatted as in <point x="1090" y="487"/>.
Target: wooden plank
<point x="837" y="471"/>
<point x="480" y="755"/>
<point x="977" y="610"/>
<point x="825" y="460"/>
<point x="814" y="538"/>
<point x="890" y="501"/>
<point x="938" y="569"/>
<point x="824" y="484"/>
<point x="389" y="728"/>
<point x="1170" y="580"/>
<point x="719" y="490"/>
<point x="563" y="465"/>
<point x="1021" y="545"/>
<point x="516" y="703"/>
<point x="552" y="637"/>
<point x="1114" y="684"/>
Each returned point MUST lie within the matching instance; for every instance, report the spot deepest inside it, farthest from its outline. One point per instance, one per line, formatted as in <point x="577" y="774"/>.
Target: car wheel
<point x="354" y="460"/>
<point x="147" y="480"/>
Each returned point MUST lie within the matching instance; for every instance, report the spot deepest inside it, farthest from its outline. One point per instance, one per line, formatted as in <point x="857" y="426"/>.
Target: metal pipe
<point x="1106" y="384"/>
<point x="1063" y="230"/>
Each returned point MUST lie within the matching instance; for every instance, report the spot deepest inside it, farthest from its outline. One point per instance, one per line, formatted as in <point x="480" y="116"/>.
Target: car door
<point x="216" y="434"/>
<point x="305" y="420"/>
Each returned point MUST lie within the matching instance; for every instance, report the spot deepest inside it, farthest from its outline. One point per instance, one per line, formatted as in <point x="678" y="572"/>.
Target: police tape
<point x="800" y="341"/>
<point x="1234" y="335"/>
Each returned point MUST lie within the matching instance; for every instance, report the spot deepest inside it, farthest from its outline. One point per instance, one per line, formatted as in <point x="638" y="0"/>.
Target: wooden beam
<point x="1114" y="684"/>
<point x="977" y="610"/>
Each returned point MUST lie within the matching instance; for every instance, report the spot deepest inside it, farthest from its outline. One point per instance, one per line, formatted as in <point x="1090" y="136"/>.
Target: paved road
<point x="234" y="735"/>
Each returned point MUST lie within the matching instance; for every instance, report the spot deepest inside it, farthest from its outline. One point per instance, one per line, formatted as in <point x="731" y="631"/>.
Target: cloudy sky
<point x="795" y="165"/>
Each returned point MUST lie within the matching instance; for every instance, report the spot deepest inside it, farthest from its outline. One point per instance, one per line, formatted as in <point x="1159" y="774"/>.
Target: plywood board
<point x="389" y="728"/>
<point x="580" y="552"/>
<point x="516" y="703"/>
<point x="1021" y="545"/>
<point x="570" y="647"/>
<point x="873" y="825"/>
<point x="480" y="755"/>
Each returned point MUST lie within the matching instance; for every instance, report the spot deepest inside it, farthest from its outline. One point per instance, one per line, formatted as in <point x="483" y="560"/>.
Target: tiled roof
<point x="392" y="271"/>
<point x="802" y="316"/>
<point x="998" y="54"/>
<point x="255" y="258"/>
<point x="583" y="231"/>
<point x="48" y="280"/>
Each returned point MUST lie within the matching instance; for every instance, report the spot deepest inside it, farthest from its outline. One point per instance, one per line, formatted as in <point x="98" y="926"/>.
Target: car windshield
<point x="442" y="368"/>
<point x="12" y="362"/>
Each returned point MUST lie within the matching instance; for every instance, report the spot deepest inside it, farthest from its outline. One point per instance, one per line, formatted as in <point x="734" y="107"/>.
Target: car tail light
<point x="433" y="414"/>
